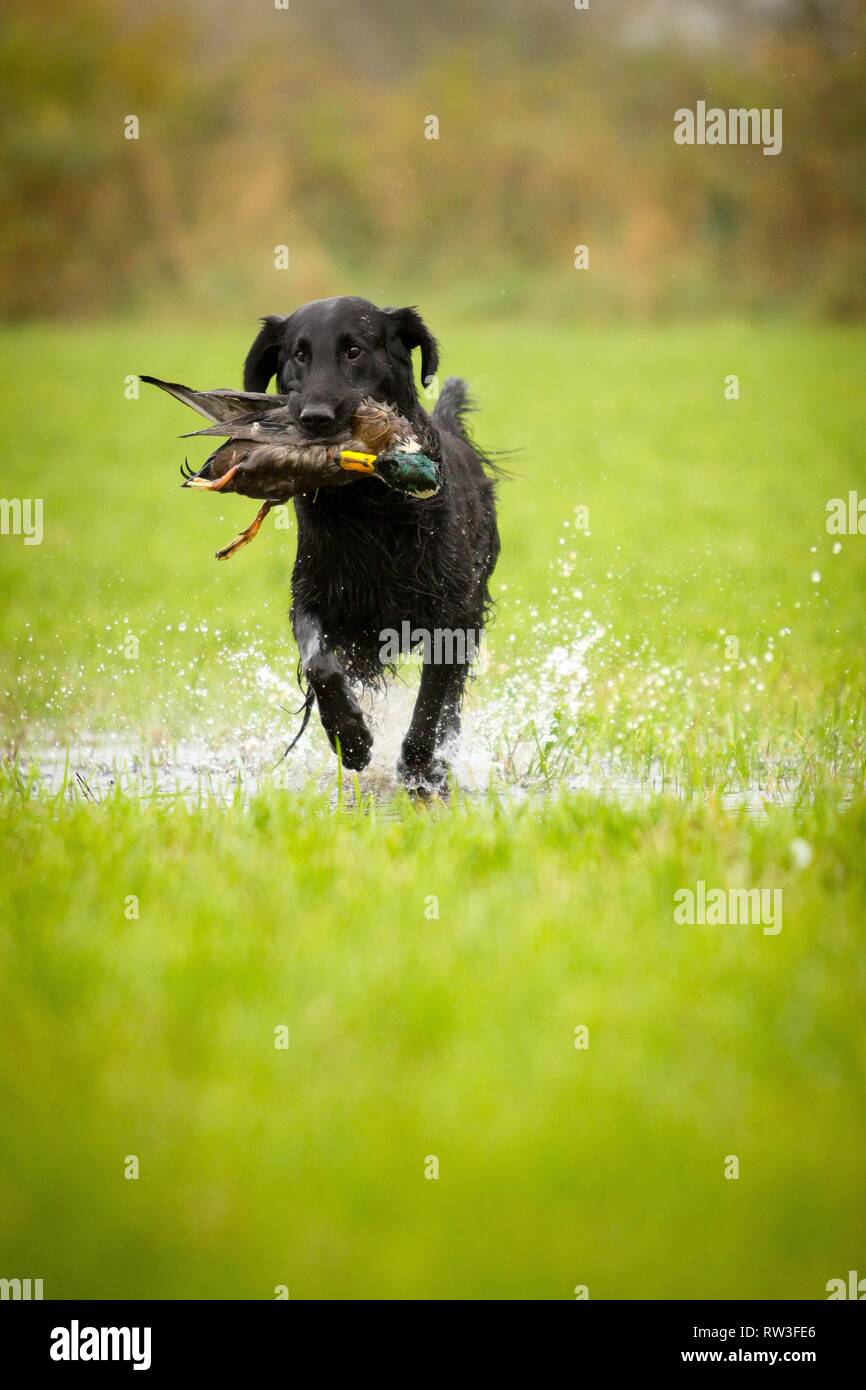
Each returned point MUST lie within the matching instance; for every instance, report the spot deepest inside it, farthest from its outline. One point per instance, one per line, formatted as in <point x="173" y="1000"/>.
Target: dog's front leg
<point x="419" y="767"/>
<point x="339" y="711"/>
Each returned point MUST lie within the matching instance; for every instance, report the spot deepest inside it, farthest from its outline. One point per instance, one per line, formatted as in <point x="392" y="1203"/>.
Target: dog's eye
<point x="300" y="356"/>
<point x="353" y="352"/>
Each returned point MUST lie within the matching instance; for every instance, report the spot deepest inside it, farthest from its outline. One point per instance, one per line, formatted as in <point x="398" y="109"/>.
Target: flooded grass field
<point x="672" y="693"/>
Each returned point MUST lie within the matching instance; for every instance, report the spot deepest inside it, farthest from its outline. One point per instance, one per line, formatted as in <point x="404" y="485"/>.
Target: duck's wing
<point x="220" y="405"/>
<point x="274" y="426"/>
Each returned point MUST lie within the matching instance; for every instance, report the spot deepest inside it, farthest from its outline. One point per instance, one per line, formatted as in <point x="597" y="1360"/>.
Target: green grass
<point x="413" y="1035"/>
<point x="707" y="516"/>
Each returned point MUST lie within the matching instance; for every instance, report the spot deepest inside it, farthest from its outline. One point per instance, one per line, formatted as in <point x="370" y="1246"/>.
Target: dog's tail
<point x="307" y="707"/>
<point x="450" y="412"/>
<point x="452" y="407"/>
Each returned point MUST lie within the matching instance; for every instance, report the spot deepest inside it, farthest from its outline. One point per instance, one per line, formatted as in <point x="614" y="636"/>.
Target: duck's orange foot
<point x="205" y="484"/>
<point x="246" y="536"/>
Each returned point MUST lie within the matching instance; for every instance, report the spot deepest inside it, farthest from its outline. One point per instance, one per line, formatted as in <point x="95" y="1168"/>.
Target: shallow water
<point x="198" y="771"/>
<point x="201" y="767"/>
<point x="521" y="713"/>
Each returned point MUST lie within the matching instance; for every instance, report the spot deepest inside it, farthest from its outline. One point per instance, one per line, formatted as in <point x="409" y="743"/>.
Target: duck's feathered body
<point x="266" y="455"/>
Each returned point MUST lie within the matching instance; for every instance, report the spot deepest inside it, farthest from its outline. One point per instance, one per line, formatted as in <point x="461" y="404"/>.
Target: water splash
<point x="558" y="700"/>
<point x="510" y="721"/>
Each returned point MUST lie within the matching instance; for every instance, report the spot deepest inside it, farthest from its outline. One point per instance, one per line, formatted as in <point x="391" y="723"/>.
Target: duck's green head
<point x="410" y="472"/>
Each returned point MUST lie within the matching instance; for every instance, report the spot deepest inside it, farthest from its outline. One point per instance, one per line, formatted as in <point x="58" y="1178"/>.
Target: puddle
<point x="198" y="770"/>
<point x="523" y="720"/>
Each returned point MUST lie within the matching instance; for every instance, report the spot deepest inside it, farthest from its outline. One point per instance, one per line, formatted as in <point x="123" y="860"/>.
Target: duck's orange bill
<point x="357" y="463"/>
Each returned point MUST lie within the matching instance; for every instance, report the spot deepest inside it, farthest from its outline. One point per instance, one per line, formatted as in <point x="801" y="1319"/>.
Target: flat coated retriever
<point x="370" y="561"/>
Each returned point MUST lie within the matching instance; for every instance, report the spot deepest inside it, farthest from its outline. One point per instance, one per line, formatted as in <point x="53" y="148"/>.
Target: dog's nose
<point x="319" y="417"/>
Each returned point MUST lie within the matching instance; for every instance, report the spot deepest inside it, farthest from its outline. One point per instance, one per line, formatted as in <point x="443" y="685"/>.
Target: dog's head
<point x="328" y="355"/>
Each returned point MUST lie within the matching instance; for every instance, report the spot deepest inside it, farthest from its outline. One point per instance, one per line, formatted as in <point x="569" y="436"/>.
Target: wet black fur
<point x="369" y="559"/>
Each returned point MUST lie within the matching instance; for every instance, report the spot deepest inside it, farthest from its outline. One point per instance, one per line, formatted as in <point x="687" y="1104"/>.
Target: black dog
<point x="371" y="562"/>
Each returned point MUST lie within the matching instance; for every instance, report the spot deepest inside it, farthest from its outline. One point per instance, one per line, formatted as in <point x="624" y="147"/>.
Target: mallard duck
<point x="267" y="457"/>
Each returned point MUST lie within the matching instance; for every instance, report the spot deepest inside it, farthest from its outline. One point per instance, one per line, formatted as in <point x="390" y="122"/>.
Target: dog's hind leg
<point x="339" y="711"/>
<point x="448" y="730"/>
<point x="436" y="715"/>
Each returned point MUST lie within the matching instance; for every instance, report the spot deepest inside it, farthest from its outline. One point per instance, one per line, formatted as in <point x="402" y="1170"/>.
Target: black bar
<point x="232" y="1337"/>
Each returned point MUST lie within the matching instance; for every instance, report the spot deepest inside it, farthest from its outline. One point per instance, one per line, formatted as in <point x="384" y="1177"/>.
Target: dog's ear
<point x="262" y="359"/>
<point x="413" y="332"/>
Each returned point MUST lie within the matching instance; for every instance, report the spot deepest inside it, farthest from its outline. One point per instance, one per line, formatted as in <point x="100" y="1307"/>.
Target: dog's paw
<point x="343" y="720"/>
<point x="424" y="779"/>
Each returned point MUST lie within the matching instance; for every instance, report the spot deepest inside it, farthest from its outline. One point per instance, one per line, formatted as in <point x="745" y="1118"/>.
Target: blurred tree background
<point x="305" y="127"/>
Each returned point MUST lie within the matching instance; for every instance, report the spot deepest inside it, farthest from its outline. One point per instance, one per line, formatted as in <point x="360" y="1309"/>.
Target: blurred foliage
<point x="262" y="127"/>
